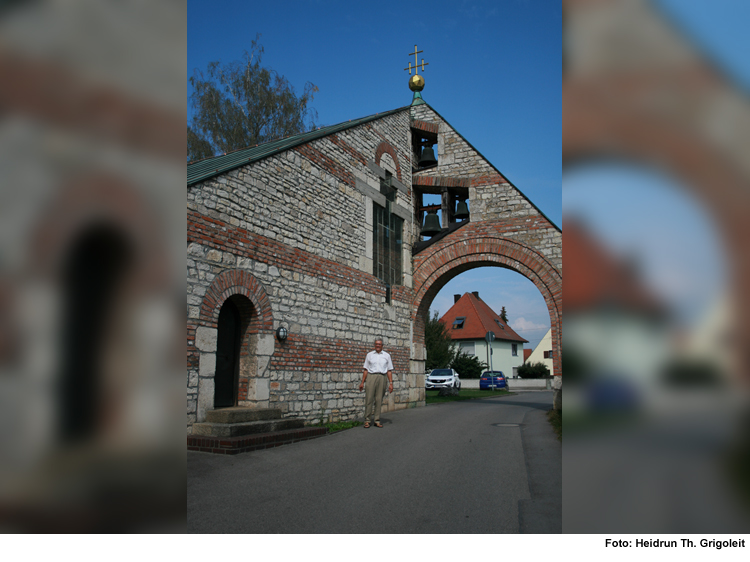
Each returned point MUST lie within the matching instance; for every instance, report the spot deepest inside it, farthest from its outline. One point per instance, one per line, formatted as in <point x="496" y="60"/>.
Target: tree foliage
<point x="504" y="315"/>
<point x="440" y="352"/>
<point x="534" y="371"/>
<point x="468" y="366"/>
<point x="241" y="104"/>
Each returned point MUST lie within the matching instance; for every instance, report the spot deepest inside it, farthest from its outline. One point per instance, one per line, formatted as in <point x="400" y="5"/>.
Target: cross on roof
<point x="416" y="63"/>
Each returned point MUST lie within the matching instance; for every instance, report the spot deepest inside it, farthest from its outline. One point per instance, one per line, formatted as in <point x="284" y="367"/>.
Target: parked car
<point x="490" y="378"/>
<point x="442" y="378"/>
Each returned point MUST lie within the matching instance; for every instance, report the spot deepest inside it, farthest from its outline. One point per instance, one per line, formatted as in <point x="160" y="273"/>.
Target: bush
<point x="468" y="366"/>
<point x="534" y="371"/>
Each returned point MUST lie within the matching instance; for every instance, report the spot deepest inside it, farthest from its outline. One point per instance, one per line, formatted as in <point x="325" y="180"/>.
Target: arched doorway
<point x="227" y="356"/>
<point x="232" y="345"/>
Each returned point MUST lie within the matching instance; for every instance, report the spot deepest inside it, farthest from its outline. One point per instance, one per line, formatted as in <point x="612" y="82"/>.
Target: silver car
<point x="442" y="378"/>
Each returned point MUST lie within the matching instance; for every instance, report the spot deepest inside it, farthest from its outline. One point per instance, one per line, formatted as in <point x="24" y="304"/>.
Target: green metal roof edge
<point x="498" y="171"/>
<point x="210" y="167"/>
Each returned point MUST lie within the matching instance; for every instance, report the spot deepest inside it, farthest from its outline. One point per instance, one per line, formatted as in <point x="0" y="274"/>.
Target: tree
<point x="242" y="104"/>
<point x="533" y="371"/>
<point x="504" y="315"/>
<point x="437" y="340"/>
<point x="468" y="366"/>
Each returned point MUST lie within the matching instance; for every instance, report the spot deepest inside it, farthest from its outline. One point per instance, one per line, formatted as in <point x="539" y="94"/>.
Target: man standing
<point x="378" y="366"/>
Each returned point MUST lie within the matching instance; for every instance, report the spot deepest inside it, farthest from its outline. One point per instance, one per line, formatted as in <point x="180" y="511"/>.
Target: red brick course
<point x="441" y="181"/>
<point x="244" y="444"/>
<point x="222" y="236"/>
<point x="331" y="355"/>
<point x="386" y="148"/>
<point x="425" y="126"/>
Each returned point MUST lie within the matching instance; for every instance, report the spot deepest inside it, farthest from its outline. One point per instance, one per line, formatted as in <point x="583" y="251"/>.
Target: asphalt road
<point x="478" y="466"/>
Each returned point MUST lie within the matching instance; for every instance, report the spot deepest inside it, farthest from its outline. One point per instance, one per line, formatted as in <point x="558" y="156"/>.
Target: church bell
<point x="462" y="211"/>
<point x="427" y="158"/>
<point x="431" y="225"/>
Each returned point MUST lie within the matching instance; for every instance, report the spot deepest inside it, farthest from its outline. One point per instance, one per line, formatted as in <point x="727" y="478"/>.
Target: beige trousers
<point x="374" y="391"/>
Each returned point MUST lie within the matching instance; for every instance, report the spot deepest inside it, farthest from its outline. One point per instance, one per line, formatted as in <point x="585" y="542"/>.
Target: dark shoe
<point x="367" y="424"/>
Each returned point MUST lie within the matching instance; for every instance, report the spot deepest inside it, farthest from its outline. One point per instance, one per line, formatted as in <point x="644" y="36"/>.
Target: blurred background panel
<point x="92" y="226"/>
<point x="656" y="204"/>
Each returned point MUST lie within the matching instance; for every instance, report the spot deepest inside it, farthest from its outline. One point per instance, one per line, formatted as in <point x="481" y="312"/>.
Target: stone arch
<point x="458" y="254"/>
<point x="249" y="297"/>
<point x="386" y="148"/>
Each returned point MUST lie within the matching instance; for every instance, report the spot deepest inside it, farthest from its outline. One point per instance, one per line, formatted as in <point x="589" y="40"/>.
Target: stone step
<point x="241" y="414"/>
<point x="210" y="429"/>
<point x="246" y="443"/>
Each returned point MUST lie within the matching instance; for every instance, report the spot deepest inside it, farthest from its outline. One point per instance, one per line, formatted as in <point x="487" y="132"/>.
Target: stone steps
<point x="241" y="414"/>
<point x="238" y="421"/>
<point x="246" y="443"/>
<point x="209" y="429"/>
<point x="237" y="430"/>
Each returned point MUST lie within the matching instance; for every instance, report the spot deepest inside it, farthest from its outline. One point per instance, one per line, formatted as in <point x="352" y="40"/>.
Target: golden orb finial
<point x="416" y="83"/>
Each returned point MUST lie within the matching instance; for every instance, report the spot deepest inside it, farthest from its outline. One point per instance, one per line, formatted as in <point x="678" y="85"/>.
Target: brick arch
<point x="458" y="254"/>
<point x="237" y="282"/>
<point x="386" y="148"/>
<point x="706" y="173"/>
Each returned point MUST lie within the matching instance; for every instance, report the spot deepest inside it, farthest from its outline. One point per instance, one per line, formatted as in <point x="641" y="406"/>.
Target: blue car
<point x="490" y="378"/>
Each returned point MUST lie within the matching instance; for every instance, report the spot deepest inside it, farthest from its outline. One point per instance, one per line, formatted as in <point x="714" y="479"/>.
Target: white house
<point x="469" y="320"/>
<point x="543" y="351"/>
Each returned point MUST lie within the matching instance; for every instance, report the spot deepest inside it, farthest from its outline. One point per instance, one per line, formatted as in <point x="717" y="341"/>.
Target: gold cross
<point x="416" y="63"/>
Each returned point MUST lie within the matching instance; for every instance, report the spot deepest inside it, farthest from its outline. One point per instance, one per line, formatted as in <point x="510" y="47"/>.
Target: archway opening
<point x="509" y="294"/>
<point x="669" y="304"/>
<point x="236" y="363"/>
<point x="226" y="381"/>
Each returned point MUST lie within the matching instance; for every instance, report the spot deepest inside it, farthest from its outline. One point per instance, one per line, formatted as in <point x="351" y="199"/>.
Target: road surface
<point x="477" y="466"/>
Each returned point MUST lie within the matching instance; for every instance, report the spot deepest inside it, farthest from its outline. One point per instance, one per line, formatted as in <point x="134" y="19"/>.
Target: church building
<point x="302" y="251"/>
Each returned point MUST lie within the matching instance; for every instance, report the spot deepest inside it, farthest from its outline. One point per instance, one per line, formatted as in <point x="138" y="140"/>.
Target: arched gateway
<point x="468" y="249"/>
<point x="320" y="234"/>
<point x="505" y="229"/>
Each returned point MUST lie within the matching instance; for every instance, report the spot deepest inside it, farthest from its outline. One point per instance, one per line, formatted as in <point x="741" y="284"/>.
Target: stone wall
<point x="288" y="240"/>
<point x="491" y="196"/>
<point x="505" y="229"/>
<point x="291" y="236"/>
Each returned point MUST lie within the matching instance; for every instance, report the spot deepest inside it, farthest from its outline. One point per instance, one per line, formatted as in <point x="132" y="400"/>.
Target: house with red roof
<point x="613" y="319"/>
<point x="470" y="319"/>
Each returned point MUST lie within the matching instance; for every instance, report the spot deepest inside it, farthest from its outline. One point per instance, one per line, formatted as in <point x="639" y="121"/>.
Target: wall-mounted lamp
<point x="282" y="333"/>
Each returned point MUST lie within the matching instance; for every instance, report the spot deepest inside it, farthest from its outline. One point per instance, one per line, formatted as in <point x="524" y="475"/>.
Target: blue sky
<point x="494" y="74"/>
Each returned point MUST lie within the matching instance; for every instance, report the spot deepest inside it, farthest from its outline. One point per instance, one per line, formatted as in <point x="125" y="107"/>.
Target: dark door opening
<point x="93" y="275"/>
<point x="227" y="357"/>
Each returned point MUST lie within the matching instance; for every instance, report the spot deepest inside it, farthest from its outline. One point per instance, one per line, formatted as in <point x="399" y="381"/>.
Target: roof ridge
<point x="201" y="170"/>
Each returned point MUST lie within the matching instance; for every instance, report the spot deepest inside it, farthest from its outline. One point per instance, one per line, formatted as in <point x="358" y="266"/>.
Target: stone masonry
<point x="288" y="239"/>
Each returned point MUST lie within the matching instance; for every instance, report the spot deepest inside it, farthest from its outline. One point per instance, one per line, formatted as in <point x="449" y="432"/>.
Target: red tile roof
<point x="594" y="278"/>
<point x="480" y="319"/>
<point x="526" y="354"/>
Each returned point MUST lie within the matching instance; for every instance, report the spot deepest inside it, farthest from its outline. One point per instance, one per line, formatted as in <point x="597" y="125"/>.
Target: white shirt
<point x="378" y="362"/>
